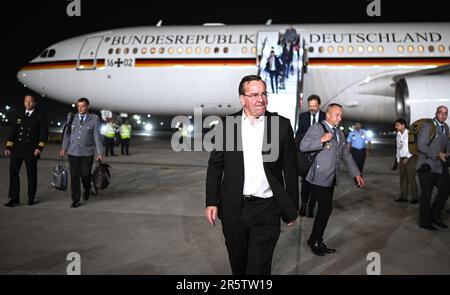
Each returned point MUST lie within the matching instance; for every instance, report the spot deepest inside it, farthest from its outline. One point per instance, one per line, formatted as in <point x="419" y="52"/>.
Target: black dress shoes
<point x="401" y="200"/>
<point x="31" y="202"/>
<point x="75" y="204"/>
<point x="12" y="203"/>
<point x="310" y="213"/>
<point x="86" y="195"/>
<point x="325" y="249"/>
<point x="302" y="211"/>
<point x="315" y="248"/>
<point x="440" y="223"/>
<point x="429" y="227"/>
<point x="415" y="201"/>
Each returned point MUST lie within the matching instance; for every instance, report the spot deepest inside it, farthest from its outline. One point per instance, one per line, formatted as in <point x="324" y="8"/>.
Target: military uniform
<point x="432" y="173"/>
<point x="82" y="140"/>
<point x="29" y="132"/>
<point x="358" y="140"/>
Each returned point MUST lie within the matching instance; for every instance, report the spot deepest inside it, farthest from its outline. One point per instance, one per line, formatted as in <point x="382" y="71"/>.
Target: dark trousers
<point x="324" y="197"/>
<point x="14" y="180"/>
<point x="307" y="197"/>
<point x="360" y="157"/>
<point x="428" y="211"/>
<point x="109" y="146"/>
<point x="274" y="77"/>
<point x="287" y="67"/>
<point x="251" y="241"/>
<point x="80" y="167"/>
<point x="125" y="145"/>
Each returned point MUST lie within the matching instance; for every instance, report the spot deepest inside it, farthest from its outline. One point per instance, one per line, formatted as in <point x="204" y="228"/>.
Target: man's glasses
<point x="256" y="95"/>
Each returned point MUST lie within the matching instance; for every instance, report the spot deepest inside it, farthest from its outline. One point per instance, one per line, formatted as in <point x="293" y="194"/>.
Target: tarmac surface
<point x="150" y="220"/>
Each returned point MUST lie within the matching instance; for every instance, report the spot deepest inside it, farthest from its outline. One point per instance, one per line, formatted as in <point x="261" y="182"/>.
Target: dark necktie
<point x="442" y="128"/>
<point x="335" y="134"/>
<point x="314" y="118"/>
<point x="81" y="120"/>
<point x="28" y="114"/>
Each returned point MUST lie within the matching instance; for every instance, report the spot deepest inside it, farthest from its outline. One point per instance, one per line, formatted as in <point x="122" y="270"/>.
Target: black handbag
<point x="101" y="177"/>
<point x="306" y="159"/>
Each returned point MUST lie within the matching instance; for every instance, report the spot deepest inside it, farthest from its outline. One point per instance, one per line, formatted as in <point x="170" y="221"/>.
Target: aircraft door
<point x="87" y="60"/>
<point x="267" y="41"/>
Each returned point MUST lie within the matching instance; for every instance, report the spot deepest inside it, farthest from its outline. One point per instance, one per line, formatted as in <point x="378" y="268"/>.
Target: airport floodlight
<point x="148" y="127"/>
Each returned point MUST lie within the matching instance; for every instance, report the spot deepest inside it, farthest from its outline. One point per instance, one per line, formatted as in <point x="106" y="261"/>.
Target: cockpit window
<point x="44" y="54"/>
<point x="51" y="53"/>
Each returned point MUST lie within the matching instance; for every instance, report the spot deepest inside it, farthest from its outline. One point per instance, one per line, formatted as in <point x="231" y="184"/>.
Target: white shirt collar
<point x="29" y="111"/>
<point x="244" y="117"/>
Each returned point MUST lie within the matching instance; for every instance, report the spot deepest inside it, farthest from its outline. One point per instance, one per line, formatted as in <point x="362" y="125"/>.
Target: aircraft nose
<point x="22" y="76"/>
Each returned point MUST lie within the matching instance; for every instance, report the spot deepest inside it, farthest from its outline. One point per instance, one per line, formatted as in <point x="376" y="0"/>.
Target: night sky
<point x="28" y="27"/>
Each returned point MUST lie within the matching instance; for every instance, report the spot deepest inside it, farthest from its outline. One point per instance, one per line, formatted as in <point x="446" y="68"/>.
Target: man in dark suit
<point x="249" y="186"/>
<point x="26" y="140"/>
<point x="274" y="67"/>
<point x="306" y="120"/>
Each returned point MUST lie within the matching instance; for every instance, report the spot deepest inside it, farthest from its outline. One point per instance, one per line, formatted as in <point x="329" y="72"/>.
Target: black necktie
<point x="442" y="128"/>
<point x="28" y="114"/>
<point x="81" y="120"/>
<point x="335" y="134"/>
<point x="314" y="118"/>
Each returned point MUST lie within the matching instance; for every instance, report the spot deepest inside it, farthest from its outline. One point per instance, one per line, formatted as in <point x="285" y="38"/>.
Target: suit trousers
<point x="251" y="241"/>
<point x="324" y="197"/>
<point x="274" y="78"/>
<point x="359" y="156"/>
<point x="14" y="180"/>
<point x="80" y="167"/>
<point x="427" y="211"/>
<point x="307" y="197"/>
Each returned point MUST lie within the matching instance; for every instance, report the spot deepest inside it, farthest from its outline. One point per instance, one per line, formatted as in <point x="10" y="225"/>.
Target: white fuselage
<point x="172" y="70"/>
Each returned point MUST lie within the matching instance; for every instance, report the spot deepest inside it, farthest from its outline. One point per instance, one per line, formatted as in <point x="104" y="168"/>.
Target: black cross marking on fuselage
<point x="118" y="62"/>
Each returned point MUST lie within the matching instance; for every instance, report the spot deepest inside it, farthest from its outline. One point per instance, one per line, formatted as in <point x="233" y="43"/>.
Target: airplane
<point x="377" y="72"/>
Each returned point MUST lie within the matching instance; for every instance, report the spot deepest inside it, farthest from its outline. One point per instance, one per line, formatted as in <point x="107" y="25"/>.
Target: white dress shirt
<point x="402" y="145"/>
<point x="255" y="180"/>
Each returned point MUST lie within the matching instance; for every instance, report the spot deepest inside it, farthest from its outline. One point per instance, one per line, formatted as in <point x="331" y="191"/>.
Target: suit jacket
<point x="325" y="169"/>
<point x="27" y="134"/>
<point x="429" y="154"/>
<point x="278" y="64"/>
<point x="225" y="174"/>
<point x="304" y="122"/>
<point x="83" y="140"/>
